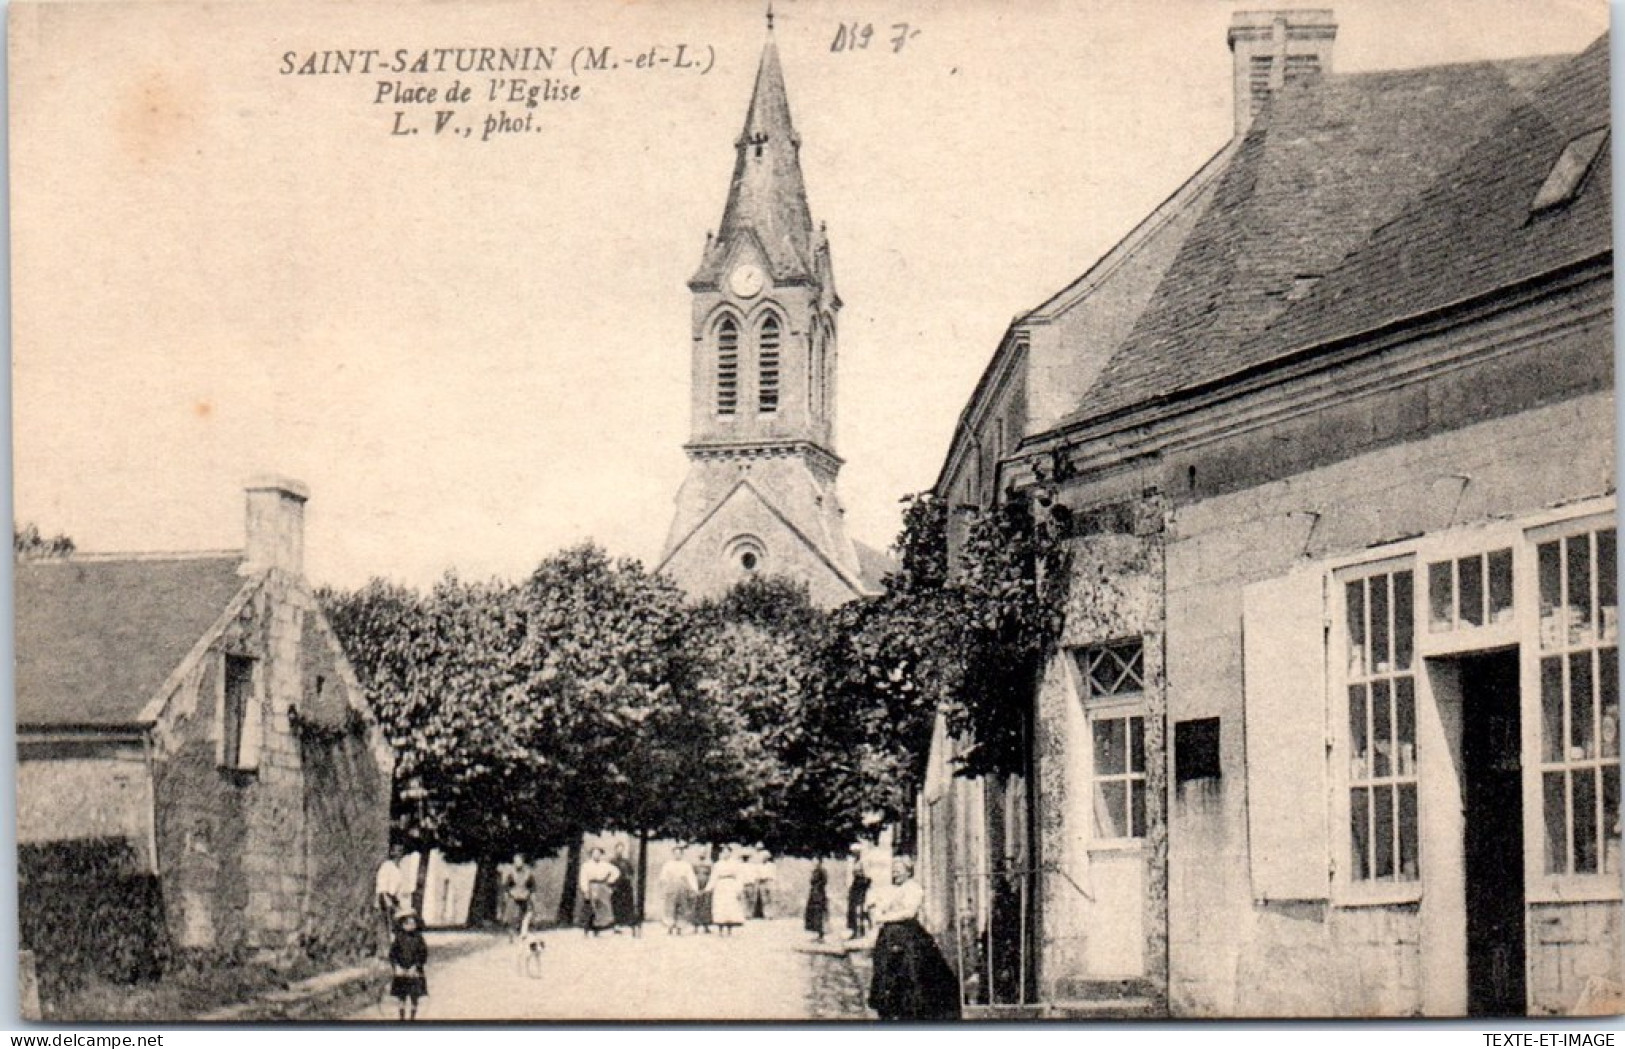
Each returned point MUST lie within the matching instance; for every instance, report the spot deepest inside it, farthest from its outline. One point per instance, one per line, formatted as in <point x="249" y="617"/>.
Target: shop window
<point x="1382" y="775"/>
<point x="1470" y="591"/>
<point x="1579" y="703"/>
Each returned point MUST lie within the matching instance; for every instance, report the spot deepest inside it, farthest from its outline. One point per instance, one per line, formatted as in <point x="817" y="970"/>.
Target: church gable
<point x="746" y="535"/>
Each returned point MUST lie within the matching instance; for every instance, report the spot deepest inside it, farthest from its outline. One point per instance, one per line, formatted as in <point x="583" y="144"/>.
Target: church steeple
<point x="767" y="198"/>
<point x="760" y="494"/>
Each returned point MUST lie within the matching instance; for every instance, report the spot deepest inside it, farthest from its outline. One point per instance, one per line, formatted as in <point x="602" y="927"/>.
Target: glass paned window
<point x="1470" y="591"/>
<point x="1383" y="833"/>
<point x="1579" y="704"/>
<point x="1119" y="775"/>
<point x="1113" y="679"/>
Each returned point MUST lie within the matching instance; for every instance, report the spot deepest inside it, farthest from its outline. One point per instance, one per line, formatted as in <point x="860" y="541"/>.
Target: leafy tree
<point x="28" y="543"/>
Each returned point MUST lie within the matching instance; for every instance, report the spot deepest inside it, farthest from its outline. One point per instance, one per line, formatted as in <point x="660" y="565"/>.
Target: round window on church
<point x="746" y="552"/>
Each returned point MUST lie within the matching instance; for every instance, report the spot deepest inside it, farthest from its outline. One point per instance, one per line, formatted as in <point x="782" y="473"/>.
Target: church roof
<point x="767" y="198"/>
<point x="1323" y="165"/>
<point x="97" y="638"/>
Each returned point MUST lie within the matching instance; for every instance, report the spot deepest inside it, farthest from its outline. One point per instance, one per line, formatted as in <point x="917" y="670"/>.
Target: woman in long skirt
<point x="702" y="892"/>
<point x="595" y="883"/>
<point x="818" y="900"/>
<point x="678" y="888"/>
<point x="912" y="980"/>
<point x="727" y="896"/>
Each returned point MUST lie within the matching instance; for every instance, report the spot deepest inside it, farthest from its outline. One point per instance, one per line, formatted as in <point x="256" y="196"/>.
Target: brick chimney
<point x="1273" y="48"/>
<point x="276" y="523"/>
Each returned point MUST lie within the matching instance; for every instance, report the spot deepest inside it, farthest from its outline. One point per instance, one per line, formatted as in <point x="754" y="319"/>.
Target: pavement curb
<point x="318" y="998"/>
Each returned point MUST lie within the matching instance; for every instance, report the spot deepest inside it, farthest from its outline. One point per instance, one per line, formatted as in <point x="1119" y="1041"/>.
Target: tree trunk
<point x="422" y="882"/>
<point x="643" y="874"/>
<point x="483" y="902"/>
<point x="572" y="874"/>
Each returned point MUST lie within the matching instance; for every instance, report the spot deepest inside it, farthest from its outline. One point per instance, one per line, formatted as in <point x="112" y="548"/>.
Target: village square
<point x="1252" y="650"/>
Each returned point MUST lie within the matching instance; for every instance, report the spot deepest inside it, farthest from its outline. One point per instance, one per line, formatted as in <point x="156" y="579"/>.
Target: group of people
<point x="816" y="915"/>
<point x="607" y="895"/>
<point x="704" y="895"/>
<point x="911" y="979"/>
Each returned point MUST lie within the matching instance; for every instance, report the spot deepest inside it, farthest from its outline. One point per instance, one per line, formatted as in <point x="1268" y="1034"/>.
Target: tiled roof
<point x="96" y="639"/>
<point x="767" y="198"/>
<point x="1322" y="166"/>
<point x="1473" y="231"/>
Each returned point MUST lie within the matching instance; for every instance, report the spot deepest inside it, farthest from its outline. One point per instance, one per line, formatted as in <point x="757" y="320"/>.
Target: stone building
<point x="190" y="721"/>
<point x="760" y="496"/>
<point x="1333" y="724"/>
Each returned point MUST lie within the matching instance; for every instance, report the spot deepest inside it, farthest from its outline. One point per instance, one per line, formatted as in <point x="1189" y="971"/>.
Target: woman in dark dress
<point x="702" y="898"/>
<point x="623" y="894"/>
<point x="857" y="900"/>
<point x="818" y="900"/>
<point x="408" y="955"/>
<point x="912" y="980"/>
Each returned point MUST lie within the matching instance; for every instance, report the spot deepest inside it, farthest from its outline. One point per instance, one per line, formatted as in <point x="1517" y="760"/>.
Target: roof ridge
<point x="78" y="557"/>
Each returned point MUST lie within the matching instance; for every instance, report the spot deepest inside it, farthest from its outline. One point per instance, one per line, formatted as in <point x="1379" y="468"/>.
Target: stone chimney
<point x="1273" y="48"/>
<point x="276" y="524"/>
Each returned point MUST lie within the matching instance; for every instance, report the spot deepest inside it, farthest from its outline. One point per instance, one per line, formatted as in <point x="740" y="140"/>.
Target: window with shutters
<point x="1579" y="703"/>
<point x="767" y="357"/>
<point x="1113" y="678"/>
<point x="1378" y="630"/>
<point x="727" y="366"/>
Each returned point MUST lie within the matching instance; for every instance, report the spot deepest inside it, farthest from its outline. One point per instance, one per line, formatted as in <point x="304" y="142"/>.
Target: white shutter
<point x="1284" y="712"/>
<point x="248" y="755"/>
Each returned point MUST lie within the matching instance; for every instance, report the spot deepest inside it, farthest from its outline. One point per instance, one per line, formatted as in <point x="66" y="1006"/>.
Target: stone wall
<point x="85" y="790"/>
<point x="277" y="856"/>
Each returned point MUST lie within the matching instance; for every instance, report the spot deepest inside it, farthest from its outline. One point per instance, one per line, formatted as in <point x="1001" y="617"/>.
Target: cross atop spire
<point x="770" y="18"/>
<point x="767" y="198"/>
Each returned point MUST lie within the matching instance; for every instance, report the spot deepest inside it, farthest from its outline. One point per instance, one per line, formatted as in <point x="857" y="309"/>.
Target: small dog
<point x="531" y="946"/>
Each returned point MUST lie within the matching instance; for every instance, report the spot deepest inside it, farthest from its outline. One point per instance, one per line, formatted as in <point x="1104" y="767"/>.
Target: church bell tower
<point x="760" y="495"/>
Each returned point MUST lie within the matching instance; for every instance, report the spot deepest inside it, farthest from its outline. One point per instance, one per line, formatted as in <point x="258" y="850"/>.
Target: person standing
<point x="678" y="888"/>
<point x="387" y="889"/>
<point x="623" y="894"/>
<point x="767" y="883"/>
<point x="519" y="882"/>
<point x="595" y="882"/>
<point x="727" y="894"/>
<point x="747" y="869"/>
<point x="408" y="961"/>
<point x="702" y="896"/>
<point x="817" y="900"/>
<point x="911" y="979"/>
<point x="857" y="899"/>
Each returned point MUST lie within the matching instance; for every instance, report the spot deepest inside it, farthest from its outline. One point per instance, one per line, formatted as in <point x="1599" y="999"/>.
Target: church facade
<point x="760" y="497"/>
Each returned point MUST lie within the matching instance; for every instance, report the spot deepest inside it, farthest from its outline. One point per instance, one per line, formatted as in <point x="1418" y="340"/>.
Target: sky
<point x="476" y="353"/>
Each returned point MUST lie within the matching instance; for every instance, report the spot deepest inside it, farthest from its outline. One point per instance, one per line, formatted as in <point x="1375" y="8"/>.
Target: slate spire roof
<point x="767" y="199"/>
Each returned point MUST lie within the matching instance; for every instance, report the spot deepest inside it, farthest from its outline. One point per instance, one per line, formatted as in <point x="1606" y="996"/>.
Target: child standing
<point x="408" y="955"/>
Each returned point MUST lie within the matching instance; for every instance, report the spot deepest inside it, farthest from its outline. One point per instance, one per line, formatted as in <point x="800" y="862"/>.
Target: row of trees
<point x="594" y="695"/>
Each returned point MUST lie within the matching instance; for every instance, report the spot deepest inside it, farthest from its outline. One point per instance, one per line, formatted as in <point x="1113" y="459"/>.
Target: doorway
<point x="1493" y="836"/>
